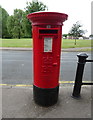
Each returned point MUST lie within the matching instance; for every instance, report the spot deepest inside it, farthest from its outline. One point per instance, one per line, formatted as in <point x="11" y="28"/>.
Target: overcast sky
<point x="77" y="10"/>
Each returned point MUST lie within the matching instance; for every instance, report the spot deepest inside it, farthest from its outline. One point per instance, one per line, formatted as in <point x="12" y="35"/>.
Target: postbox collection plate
<point x="48" y="44"/>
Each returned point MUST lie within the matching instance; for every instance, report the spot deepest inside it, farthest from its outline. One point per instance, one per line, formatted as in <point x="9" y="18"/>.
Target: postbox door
<point x="50" y="60"/>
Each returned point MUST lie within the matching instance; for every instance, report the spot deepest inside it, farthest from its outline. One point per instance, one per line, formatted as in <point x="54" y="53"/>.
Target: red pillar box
<point x="47" y="35"/>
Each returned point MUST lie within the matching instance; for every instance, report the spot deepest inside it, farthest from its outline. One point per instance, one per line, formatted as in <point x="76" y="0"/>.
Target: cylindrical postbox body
<point x="47" y="35"/>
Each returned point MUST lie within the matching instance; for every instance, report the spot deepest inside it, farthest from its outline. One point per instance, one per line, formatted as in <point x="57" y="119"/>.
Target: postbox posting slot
<point x="48" y="31"/>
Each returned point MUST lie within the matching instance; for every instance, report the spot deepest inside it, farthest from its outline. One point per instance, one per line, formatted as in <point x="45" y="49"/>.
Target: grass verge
<point x="28" y="43"/>
<point x="70" y="43"/>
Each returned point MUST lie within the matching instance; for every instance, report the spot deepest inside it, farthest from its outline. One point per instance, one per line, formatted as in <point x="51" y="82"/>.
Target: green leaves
<point x="76" y="31"/>
<point x="14" y="24"/>
<point x="10" y="25"/>
<point x="17" y="25"/>
<point x="3" y="22"/>
<point x="34" y="7"/>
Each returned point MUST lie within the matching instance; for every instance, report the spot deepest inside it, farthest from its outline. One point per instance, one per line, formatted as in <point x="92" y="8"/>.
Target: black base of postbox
<point x="45" y="97"/>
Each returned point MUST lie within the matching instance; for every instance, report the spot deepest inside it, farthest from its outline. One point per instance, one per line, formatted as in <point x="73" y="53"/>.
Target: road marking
<point x="24" y="85"/>
<point x="17" y="85"/>
<point x="61" y="82"/>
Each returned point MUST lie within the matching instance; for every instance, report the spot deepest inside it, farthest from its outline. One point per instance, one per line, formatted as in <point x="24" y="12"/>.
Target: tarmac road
<point x="17" y="67"/>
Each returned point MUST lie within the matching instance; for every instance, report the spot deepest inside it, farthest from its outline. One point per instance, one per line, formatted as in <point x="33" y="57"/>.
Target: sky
<point x="77" y="10"/>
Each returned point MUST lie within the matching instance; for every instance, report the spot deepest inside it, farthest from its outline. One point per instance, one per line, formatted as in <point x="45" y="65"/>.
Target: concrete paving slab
<point x="17" y="102"/>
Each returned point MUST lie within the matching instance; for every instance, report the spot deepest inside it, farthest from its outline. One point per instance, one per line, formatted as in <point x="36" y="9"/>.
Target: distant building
<point x="85" y="38"/>
<point x="81" y="38"/>
<point x="90" y="38"/>
<point x="71" y="37"/>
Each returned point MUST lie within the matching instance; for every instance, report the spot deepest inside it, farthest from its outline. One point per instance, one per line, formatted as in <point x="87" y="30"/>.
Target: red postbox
<point x="47" y="35"/>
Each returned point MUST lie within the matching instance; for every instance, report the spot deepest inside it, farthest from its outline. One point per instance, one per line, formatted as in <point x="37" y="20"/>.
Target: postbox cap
<point x="47" y="18"/>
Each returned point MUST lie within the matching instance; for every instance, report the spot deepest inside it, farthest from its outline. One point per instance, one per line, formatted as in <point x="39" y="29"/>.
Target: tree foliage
<point x="18" y="19"/>
<point x="30" y="8"/>
<point x="17" y="25"/>
<point x="65" y="35"/>
<point x="91" y="35"/>
<point x="35" y="6"/>
<point x="3" y="22"/>
<point x="14" y="24"/>
<point x="0" y="22"/>
<point x="76" y="31"/>
<point x="10" y="25"/>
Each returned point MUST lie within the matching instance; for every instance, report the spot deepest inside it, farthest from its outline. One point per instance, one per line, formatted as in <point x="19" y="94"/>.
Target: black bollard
<point x="79" y="74"/>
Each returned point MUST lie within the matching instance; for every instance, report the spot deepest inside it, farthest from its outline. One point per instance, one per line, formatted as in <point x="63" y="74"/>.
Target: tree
<point x="18" y="25"/>
<point x="35" y="6"/>
<point x="76" y="31"/>
<point x="10" y="25"/>
<point x="65" y="35"/>
<point x="26" y="26"/>
<point x="15" y="24"/>
<point x="18" y="18"/>
<point x="0" y="22"/>
<point x="3" y="22"/>
<point x="91" y="36"/>
<point x="30" y="8"/>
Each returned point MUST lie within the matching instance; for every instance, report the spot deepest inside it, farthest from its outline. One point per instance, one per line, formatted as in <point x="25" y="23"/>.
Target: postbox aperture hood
<point x="47" y="18"/>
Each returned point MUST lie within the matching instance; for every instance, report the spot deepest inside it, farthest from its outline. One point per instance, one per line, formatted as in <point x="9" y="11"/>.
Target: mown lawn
<point x="16" y="42"/>
<point x="27" y="42"/>
<point x="70" y="43"/>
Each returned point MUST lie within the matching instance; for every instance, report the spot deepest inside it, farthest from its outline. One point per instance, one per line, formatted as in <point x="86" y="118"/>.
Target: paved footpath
<point x="17" y="102"/>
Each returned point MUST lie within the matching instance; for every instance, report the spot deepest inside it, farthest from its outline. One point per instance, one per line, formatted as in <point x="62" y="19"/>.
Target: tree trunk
<point x="19" y="35"/>
<point x="75" y="42"/>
